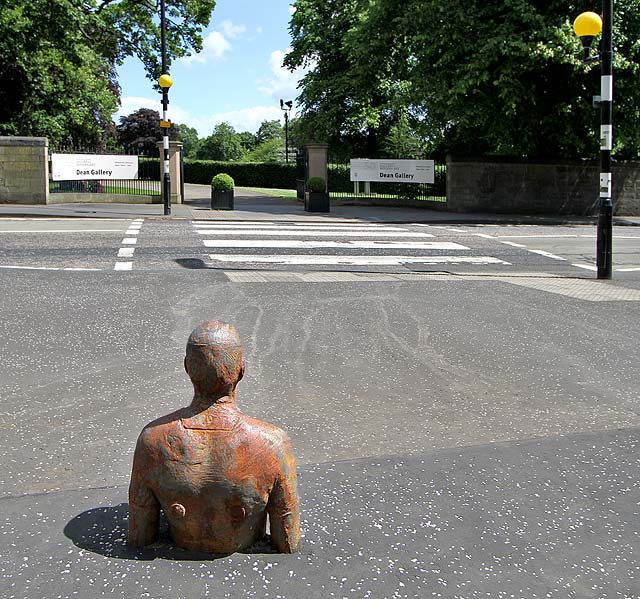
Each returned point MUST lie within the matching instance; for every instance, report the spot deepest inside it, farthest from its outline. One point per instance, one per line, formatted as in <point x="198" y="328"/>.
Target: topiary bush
<point x="222" y="182"/>
<point x="316" y="184"/>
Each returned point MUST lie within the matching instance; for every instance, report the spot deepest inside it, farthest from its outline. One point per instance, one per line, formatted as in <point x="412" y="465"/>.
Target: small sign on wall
<point x="393" y="171"/>
<point x="83" y="167"/>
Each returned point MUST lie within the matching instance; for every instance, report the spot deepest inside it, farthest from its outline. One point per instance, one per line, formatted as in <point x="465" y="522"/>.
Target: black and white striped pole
<point x="165" y="83"/>
<point x="587" y="26"/>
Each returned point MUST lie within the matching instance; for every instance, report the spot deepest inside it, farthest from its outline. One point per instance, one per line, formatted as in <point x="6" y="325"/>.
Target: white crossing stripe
<point x="300" y="244"/>
<point x="354" y="260"/>
<point x="289" y="225"/>
<point x="123" y="266"/>
<point x="126" y="252"/>
<point x="129" y="241"/>
<point x="312" y="233"/>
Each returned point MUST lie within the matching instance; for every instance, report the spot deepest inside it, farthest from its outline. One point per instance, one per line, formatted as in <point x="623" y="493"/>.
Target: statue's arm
<point x="283" y="506"/>
<point x="144" y="509"/>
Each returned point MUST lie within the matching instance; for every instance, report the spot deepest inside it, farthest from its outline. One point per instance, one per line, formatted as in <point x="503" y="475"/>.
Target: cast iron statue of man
<point x="213" y="471"/>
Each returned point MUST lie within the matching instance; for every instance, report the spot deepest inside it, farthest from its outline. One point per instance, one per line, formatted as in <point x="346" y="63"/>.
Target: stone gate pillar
<point x="175" y="172"/>
<point x="24" y="170"/>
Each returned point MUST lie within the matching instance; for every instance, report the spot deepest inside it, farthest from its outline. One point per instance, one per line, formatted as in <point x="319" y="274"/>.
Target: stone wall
<point x="24" y="170"/>
<point x="518" y="187"/>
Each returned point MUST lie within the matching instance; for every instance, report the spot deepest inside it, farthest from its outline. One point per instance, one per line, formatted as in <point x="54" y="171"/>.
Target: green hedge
<point x="245" y="174"/>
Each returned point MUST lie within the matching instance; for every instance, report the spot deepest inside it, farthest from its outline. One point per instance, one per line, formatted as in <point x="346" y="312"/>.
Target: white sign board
<point x="393" y="171"/>
<point x="82" y="167"/>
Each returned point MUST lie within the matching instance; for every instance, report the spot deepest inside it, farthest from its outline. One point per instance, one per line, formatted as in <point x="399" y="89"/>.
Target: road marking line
<point x="129" y="241"/>
<point x="585" y="266"/>
<point x="132" y="232"/>
<point x="484" y="235"/>
<point x="547" y="255"/>
<point x="123" y="266"/>
<point x="300" y="244"/>
<point x="63" y="231"/>
<point x="50" y="268"/>
<point x="287" y="223"/>
<point x="628" y="269"/>
<point x="354" y="260"/>
<point x="242" y="229"/>
<point x="515" y="245"/>
<point x="534" y="236"/>
<point x="272" y="225"/>
<point x="313" y="233"/>
<point x="126" y="252"/>
<point x="452" y="229"/>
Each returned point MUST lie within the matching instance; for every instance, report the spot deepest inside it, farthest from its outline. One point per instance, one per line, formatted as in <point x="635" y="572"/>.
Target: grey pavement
<point x="253" y="206"/>
<point x="457" y="437"/>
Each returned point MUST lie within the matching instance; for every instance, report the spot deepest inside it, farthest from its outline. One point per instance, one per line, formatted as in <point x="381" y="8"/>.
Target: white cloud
<point x="245" y="119"/>
<point x="216" y="44"/>
<point x="232" y="31"/>
<point x="282" y="83"/>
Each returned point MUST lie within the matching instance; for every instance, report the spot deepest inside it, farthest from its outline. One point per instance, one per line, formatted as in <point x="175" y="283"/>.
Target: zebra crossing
<point x="261" y="244"/>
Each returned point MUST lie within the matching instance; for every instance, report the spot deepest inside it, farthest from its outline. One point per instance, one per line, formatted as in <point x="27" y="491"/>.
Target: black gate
<point x="301" y="173"/>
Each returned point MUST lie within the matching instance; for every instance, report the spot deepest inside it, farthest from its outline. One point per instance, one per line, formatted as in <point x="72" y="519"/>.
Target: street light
<point x="165" y="83"/>
<point x="287" y="110"/>
<point x="586" y="26"/>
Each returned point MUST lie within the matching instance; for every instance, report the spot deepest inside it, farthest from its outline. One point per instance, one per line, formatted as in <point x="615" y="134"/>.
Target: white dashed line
<point x="127" y="252"/>
<point x="515" y="245"/>
<point x="548" y="255"/>
<point x="585" y="266"/>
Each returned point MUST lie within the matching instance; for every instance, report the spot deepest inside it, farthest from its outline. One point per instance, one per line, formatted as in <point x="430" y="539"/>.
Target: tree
<point x="268" y="151"/>
<point x="269" y="130"/>
<point x="247" y="140"/>
<point x="222" y="144"/>
<point x="472" y="77"/>
<point x="350" y="112"/>
<point x="58" y="60"/>
<point x="140" y="131"/>
<point x="189" y="138"/>
<point x="402" y="141"/>
<point x="54" y="83"/>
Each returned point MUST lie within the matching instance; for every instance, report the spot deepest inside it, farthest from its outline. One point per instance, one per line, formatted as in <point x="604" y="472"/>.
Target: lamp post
<point x="286" y="106"/>
<point x="586" y="26"/>
<point x="165" y="83"/>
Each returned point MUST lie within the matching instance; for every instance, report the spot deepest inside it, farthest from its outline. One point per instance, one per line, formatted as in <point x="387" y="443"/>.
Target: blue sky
<point x="238" y="77"/>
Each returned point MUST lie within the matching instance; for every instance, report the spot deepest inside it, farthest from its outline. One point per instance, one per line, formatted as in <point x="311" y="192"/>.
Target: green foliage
<point x="222" y="182"/>
<point x="189" y="138"/>
<point x="223" y="144"/>
<point x="248" y="140"/>
<point x="58" y="61"/>
<point x="271" y="175"/>
<point x="316" y="184"/>
<point x="470" y="77"/>
<point x="268" y="131"/>
<point x="402" y="141"/>
<point x="268" y="151"/>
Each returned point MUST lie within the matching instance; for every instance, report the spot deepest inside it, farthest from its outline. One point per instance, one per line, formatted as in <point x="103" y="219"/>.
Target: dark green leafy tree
<point x="190" y="141"/>
<point x="247" y="140"/>
<point x="58" y="60"/>
<point x="269" y="130"/>
<point x="222" y="144"/>
<point x="471" y="76"/>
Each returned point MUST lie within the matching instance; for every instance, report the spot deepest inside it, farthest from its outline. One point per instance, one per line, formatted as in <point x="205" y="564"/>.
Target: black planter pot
<point x="221" y="200"/>
<point x="316" y="201"/>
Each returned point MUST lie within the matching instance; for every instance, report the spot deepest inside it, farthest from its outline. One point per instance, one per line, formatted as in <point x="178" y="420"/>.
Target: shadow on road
<point x="103" y="531"/>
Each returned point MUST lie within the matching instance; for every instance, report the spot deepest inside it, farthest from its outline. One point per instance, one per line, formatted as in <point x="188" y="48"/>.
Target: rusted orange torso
<point x="216" y="474"/>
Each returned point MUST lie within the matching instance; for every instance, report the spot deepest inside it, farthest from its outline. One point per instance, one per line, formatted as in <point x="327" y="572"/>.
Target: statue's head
<point x="214" y="358"/>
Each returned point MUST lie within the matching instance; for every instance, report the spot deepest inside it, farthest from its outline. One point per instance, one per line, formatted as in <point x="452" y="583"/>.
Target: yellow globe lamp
<point x="165" y="81"/>
<point x="587" y="24"/>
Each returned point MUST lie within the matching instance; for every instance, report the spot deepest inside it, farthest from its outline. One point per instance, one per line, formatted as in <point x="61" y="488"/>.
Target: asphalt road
<point x="464" y="427"/>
